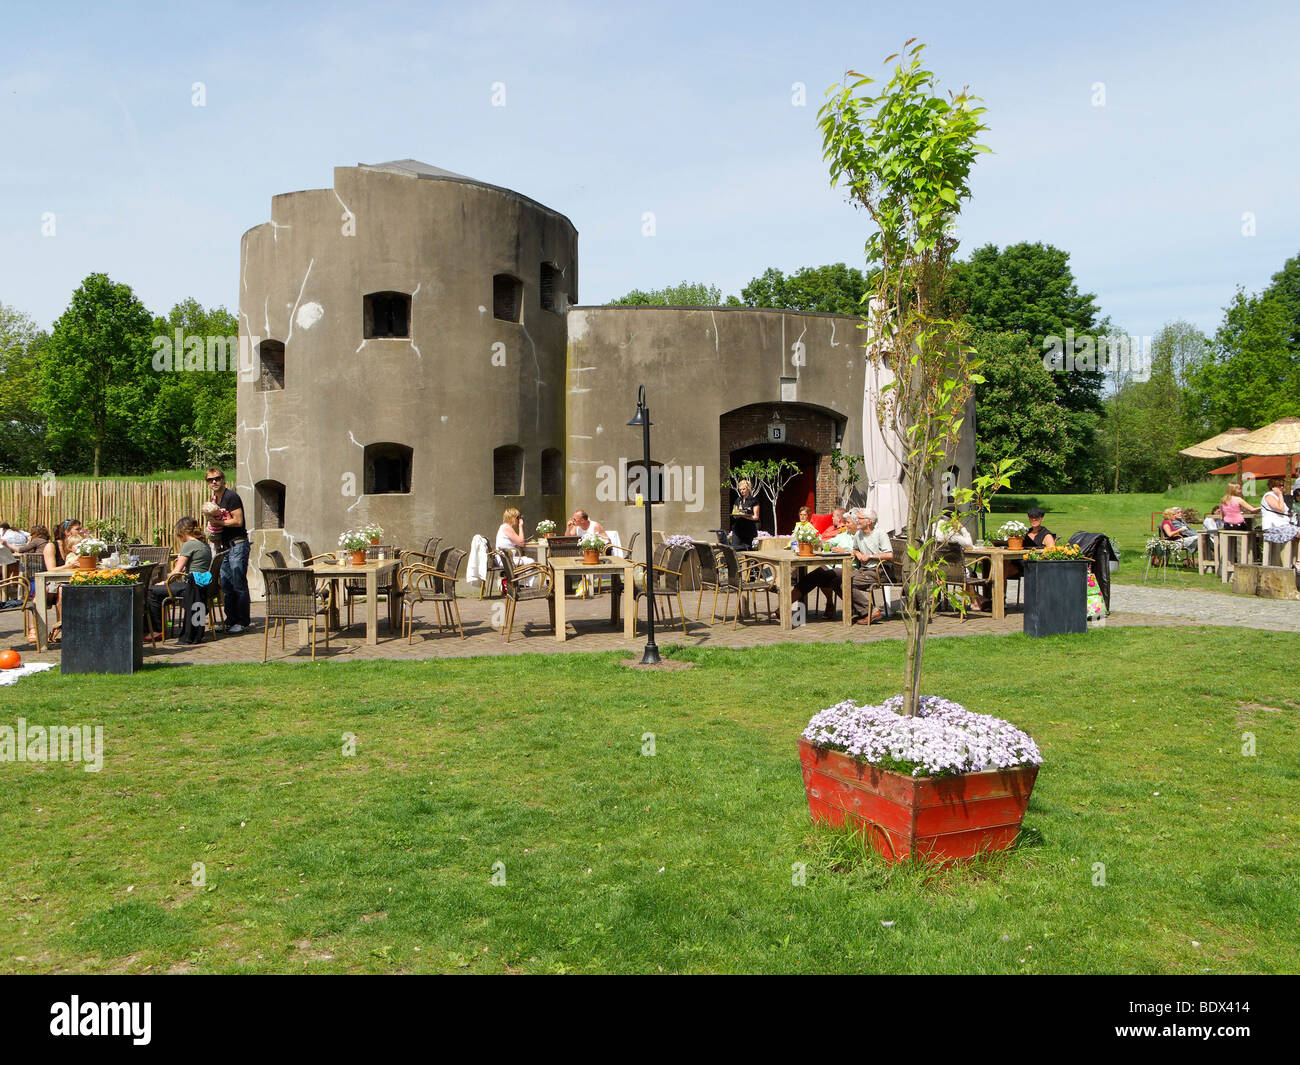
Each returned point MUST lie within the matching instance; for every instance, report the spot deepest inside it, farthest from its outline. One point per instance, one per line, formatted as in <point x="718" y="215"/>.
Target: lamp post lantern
<point x="642" y="418"/>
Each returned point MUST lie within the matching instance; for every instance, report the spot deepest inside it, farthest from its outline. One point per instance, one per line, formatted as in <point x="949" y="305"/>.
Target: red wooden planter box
<point x="938" y="820"/>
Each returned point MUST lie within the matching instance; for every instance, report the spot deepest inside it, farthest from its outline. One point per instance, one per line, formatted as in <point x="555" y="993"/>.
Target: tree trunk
<point x="97" y="458"/>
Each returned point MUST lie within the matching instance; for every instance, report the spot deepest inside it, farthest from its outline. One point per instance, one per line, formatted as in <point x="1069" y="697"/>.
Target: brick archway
<point x="809" y="428"/>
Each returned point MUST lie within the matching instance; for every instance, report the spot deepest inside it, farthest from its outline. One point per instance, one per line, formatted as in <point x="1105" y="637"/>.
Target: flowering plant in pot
<point x="592" y="547"/>
<point x="372" y="531"/>
<point x="1059" y="553"/>
<point x="89" y="552"/>
<point x="355" y="543"/>
<point x="102" y="577"/>
<point x="545" y="528"/>
<point x="941" y="785"/>
<point x="679" y="540"/>
<point x="806" y="538"/>
<point x="1013" y="532"/>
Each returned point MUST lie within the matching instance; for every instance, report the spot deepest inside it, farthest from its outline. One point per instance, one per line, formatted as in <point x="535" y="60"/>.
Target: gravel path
<point x="1278" y="615"/>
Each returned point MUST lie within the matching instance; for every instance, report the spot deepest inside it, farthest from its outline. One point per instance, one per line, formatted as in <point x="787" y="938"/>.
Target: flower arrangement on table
<point x="352" y="540"/>
<point x="1011" y="529"/>
<point x="372" y="531"/>
<point x="103" y="577"/>
<point x="90" y="547"/>
<point x="545" y="528"/>
<point x="943" y="739"/>
<point x="679" y="540"/>
<point x="805" y="533"/>
<point x="592" y="542"/>
<point x="1059" y="553"/>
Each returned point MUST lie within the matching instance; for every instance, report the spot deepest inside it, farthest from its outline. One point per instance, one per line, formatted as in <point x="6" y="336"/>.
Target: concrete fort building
<point x="420" y="362"/>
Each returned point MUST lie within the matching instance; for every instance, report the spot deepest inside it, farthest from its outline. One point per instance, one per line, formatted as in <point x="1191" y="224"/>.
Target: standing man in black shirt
<point x="234" y="541"/>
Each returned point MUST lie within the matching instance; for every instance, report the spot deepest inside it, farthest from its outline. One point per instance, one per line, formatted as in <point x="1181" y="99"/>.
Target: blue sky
<point x="680" y="109"/>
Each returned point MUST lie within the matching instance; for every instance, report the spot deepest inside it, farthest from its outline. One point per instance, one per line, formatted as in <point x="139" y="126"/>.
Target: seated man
<point x="836" y="525"/>
<point x="871" y="548"/>
<point x="949" y="529"/>
<point x="582" y="525"/>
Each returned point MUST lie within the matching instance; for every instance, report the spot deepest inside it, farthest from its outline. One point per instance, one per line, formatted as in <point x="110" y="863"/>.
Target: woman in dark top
<point x="1039" y="535"/>
<point x="744" y="516"/>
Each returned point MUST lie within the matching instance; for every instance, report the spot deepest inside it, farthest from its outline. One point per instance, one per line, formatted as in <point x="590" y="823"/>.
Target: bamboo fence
<point x="140" y="508"/>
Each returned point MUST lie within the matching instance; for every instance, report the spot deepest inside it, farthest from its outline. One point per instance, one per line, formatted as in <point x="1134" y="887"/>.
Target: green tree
<point x="905" y="157"/>
<point x="96" y="382"/>
<point x="1017" y="413"/>
<point x="1285" y="288"/>
<point x="22" y="428"/>
<point x="833" y="289"/>
<point x="1253" y="375"/>
<point x="687" y="294"/>
<point x="194" y="411"/>
<point x="1029" y="288"/>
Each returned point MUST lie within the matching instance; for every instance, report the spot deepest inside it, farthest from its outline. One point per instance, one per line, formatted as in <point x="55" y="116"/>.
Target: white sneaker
<point x="235" y="629"/>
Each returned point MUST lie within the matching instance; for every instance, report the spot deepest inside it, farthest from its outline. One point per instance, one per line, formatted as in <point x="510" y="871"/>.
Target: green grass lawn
<point x="682" y="861"/>
<point x="1125" y="518"/>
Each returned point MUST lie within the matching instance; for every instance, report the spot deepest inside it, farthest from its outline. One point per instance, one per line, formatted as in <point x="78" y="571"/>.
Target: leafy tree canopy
<point x="686" y="294"/>
<point x="833" y="289"/>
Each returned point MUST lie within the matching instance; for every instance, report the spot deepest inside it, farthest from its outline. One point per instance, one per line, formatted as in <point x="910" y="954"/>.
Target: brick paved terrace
<point x="588" y="630"/>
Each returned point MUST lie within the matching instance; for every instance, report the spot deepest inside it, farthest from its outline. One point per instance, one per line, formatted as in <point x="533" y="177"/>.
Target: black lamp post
<point x="642" y="418"/>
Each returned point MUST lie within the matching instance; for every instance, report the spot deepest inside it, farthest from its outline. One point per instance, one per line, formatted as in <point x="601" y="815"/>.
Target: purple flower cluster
<point x="943" y="738"/>
<point x="678" y="540"/>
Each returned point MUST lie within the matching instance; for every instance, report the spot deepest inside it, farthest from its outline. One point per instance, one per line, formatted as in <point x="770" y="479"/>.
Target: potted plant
<point x="89" y="552"/>
<point x="372" y="531"/>
<point x="103" y="622"/>
<point x="592" y="547"/>
<point x="1013" y="532"/>
<point x="1056" y="591"/>
<point x="940" y="786"/>
<point x="806" y="537"/>
<point x="545" y="529"/>
<point x="355" y="544"/>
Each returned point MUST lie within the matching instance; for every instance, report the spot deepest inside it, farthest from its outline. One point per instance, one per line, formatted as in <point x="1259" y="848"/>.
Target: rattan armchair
<point x="420" y="583"/>
<point x="19" y="588"/>
<point x="291" y="595"/>
<point x="354" y="588"/>
<point x="525" y="584"/>
<point x="742" y="578"/>
<point x="970" y="579"/>
<point x="707" y="563"/>
<point x="667" y="584"/>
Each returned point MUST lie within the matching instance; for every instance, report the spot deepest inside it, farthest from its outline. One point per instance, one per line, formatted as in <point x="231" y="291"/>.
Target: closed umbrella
<point x="881" y="448"/>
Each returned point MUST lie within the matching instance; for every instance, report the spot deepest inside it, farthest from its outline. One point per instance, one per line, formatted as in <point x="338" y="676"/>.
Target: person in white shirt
<point x="949" y="530"/>
<point x="12" y="537"/>
<point x="582" y="525"/>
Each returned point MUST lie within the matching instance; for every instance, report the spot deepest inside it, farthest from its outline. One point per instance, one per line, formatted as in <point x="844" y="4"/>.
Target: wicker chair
<point x="741" y="578"/>
<point x="277" y="559"/>
<point x="431" y="546"/>
<point x="308" y="559"/>
<point x="519" y="591"/>
<point x="973" y="579"/>
<point x="158" y="555"/>
<point x="418" y="583"/>
<point x="291" y="596"/>
<point x="668" y="581"/>
<point x="19" y="587"/>
<point x="707" y="562"/>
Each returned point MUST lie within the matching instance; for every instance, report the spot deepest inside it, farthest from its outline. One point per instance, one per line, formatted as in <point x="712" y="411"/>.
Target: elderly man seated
<point x="869" y="547"/>
<point x="582" y="525"/>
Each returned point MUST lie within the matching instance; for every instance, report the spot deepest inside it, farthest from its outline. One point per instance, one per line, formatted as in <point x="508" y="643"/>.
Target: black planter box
<point x="103" y="628"/>
<point x="1056" y="597"/>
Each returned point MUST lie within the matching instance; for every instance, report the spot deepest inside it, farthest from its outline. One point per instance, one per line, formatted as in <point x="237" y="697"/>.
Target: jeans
<point x="234" y="584"/>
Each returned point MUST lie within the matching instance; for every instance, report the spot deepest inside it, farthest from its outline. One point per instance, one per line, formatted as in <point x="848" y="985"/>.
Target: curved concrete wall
<point x="462" y="385"/>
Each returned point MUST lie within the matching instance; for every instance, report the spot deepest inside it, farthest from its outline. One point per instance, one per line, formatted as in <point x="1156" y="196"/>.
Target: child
<point x="213" y="516"/>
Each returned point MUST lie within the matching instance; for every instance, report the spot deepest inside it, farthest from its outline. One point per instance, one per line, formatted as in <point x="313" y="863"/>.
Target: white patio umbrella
<point x="880" y="450"/>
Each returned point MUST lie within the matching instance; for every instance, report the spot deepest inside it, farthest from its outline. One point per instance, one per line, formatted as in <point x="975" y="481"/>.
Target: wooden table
<point x="1000" y="557"/>
<point x="786" y="561"/>
<point x="1233" y="542"/>
<point x="337" y="573"/>
<point x="41" y="580"/>
<point x="618" y="568"/>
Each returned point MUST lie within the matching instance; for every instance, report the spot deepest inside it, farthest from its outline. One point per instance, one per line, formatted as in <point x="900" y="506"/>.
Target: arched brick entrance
<point x="808" y="436"/>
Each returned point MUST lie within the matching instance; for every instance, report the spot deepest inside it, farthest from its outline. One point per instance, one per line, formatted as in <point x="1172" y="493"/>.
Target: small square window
<point x="387" y="314"/>
<point x="507" y="297"/>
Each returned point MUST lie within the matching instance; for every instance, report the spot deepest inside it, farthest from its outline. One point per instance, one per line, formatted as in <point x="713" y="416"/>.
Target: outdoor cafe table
<point x="618" y="568"/>
<point x="1000" y="556"/>
<point x="785" y="561"/>
<point x="337" y="573"/>
<point x="41" y="580"/>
